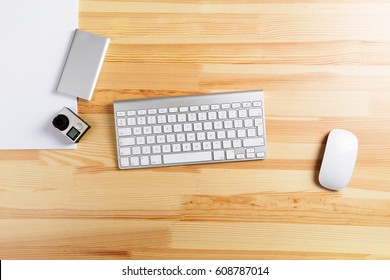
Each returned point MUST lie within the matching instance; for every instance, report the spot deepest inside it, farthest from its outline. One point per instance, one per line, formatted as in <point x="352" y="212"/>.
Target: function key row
<point x="194" y="108"/>
<point x="191" y="117"/>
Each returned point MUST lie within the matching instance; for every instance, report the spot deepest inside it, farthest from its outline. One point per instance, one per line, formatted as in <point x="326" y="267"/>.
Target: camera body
<point x="70" y="125"/>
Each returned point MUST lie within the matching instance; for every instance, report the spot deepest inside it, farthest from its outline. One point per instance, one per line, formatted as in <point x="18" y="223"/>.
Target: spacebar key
<point x="187" y="157"/>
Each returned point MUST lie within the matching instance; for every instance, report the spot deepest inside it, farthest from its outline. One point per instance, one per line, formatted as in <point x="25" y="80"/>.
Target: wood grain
<point x="322" y="64"/>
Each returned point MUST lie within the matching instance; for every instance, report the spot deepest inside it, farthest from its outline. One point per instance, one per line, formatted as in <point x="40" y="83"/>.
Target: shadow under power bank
<point x="83" y="64"/>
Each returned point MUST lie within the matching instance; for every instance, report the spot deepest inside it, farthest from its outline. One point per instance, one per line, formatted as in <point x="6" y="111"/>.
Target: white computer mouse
<point x="339" y="159"/>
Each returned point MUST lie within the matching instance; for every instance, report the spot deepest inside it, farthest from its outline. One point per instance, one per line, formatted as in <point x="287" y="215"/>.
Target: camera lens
<point x="61" y="122"/>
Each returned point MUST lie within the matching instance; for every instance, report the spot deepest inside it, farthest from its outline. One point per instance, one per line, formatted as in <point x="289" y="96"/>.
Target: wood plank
<point x="264" y="236"/>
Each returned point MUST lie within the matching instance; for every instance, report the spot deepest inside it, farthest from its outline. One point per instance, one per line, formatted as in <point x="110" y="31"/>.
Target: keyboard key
<point x="248" y="122"/>
<point x="166" y="148"/>
<point x="232" y="114"/>
<point x="242" y="113"/>
<point x="162" y="110"/>
<point x="151" y="139"/>
<point x="238" y="123"/>
<point x="125" y="151"/>
<point x="173" y="110"/>
<point x="147" y="130"/>
<point x="131" y="121"/>
<point x="231" y="134"/>
<point x="190" y="136"/>
<point x="126" y="141"/>
<point x="172" y="118"/>
<point x="218" y="125"/>
<point x="152" y="120"/>
<point x="183" y="109"/>
<point x="200" y="136"/>
<point x="191" y="117"/>
<point x="222" y="115"/>
<point x="207" y="125"/>
<point x="197" y="126"/>
<point x="157" y="129"/>
<point x="217" y="145"/>
<point x="186" y="147"/>
<point x="141" y="120"/>
<point x="194" y="108"/>
<point x="204" y="107"/>
<point x="176" y="148"/>
<point x="212" y="115"/>
<point x="137" y="130"/>
<point x="141" y="112"/>
<point x="227" y="144"/>
<point x="251" y="132"/>
<point x="255" y="112"/>
<point x="211" y="135"/>
<point x="155" y="160"/>
<point x="262" y="154"/>
<point x="160" y="139"/>
<point x="121" y="122"/>
<point x="241" y="133"/>
<point x="167" y="128"/>
<point x="171" y="138"/>
<point x="246" y="104"/>
<point x="146" y="150"/>
<point x="162" y="119"/>
<point x="206" y="145"/>
<point x="196" y="146"/>
<point x="253" y="142"/>
<point x="230" y="154"/>
<point x="131" y="113"/>
<point x="140" y="140"/>
<point x="181" y="117"/>
<point x="120" y="113"/>
<point x="225" y="106"/>
<point x="219" y="155"/>
<point x="134" y="161"/>
<point x="136" y="150"/>
<point x="258" y="122"/>
<point x="202" y="116"/>
<point x="156" y="149"/>
<point x="125" y="162"/>
<point x="221" y="134"/>
<point x="215" y="107"/>
<point x="228" y="124"/>
<point x="181" y="137"/>
<point x="177" y="128"/>
<point x="187" y="157"/>
<point x="257" y="103"/>
<point x="145" y="160"/>
<point x="237" y="143"/>
<point x="187" y="127"/>
<point x="236" y="105"/>
<point x="124" y="131"/>
<point x="152" y="111"/>
<point x="260" y="130"/>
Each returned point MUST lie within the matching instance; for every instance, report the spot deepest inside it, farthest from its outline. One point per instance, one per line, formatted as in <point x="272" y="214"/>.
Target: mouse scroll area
<point x="339" y="159"/>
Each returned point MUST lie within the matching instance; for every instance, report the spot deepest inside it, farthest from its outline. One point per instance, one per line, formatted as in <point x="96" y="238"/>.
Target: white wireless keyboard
<point x="194" y="129"/>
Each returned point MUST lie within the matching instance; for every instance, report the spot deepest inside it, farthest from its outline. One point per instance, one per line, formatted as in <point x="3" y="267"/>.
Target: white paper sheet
<point x="34" y="40"/>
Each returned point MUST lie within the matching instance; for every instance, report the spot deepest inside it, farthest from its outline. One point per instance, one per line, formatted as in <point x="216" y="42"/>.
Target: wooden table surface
<point x="322" y="65"/>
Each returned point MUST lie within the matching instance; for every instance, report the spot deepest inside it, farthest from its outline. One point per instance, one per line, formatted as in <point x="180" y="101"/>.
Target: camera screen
<point x="73" y="133"/>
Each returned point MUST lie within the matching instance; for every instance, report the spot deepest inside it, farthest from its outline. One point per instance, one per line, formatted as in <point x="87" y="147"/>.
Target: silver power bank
<point x="83" y="64"/>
